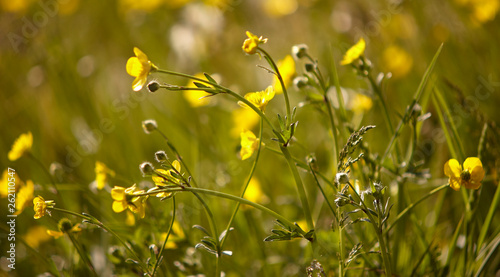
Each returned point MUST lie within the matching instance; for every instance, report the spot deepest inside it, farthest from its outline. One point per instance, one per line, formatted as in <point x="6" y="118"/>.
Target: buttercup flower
<point x="287" y="69"/>
<point x="40" y="206"/>
<point x="101" y="174"/>
<point x="354" y="52"/>
<point x="259" y="98"/>
<point x="166" y="177"/>
<point x="139" y="67"/>
<point x="128" y="198"/>
<point x="470" y="176"/>
<point x="21" y="146"/>
<point x="249" y="143"/>
<point x="252" y="42"/>
<point x="24" y="196"/>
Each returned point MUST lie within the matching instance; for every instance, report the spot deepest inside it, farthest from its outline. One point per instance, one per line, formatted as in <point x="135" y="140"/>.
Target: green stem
<point x="249" y="178"/>
<point x="300" y="187"/>
<point x="489" y="217"/>
<point x="81" y="253"/>
<point x="230" y="197"/>
<point x="159" y="257"/>
<point x="44" y="169"/>
<point x="413" y="205"/>
<point x="280" y="78"/>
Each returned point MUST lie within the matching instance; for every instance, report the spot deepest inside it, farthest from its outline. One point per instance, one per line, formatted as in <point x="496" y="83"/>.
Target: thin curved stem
<point x="159" y="257"/>
<point x="249" y="178"/>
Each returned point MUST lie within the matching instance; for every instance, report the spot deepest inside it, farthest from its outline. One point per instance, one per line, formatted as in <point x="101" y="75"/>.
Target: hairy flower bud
<point x="161" y="156"/>
<point x="299" y="51"/>
<point x="147" y="168"/>
<point x="153" y="86"/>
<point x="149" y="126"/>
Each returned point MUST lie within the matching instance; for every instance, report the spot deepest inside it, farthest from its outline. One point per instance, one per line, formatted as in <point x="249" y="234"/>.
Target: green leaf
<point x="209" y="78"/>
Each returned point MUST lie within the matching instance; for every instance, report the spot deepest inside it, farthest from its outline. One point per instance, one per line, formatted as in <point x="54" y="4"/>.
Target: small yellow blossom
<point x="287" y="70"/>
<point x="21" y="146"/>
<point x="360" y="103"/>
<point x="166" y="177"/>
<point x="64" y="226"/>
<point x="176" y="235"/>
<point x="139" y="67"/>
<point x="470" y="176"/>
<point x="101" y="174"/>
<point x="279" y="8"/>
<point x="254" y="192"/>
<point x="260" y="98"/>
<point x="196" y="98"/>
<point x="40" y="206"/>
<point x="128" y="198"/>
<point x="24" y="196"/>
<point x="251" y="44"/>
<point x="243" y="119"/>
<point x="354" y="52"/>
<point x="397" y="61"/>
<point x="249" y="143"/>
<point x="36" y="235"/>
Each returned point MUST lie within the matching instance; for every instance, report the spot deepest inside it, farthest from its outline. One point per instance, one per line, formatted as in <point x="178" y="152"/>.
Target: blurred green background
<point x="63" y="78"/>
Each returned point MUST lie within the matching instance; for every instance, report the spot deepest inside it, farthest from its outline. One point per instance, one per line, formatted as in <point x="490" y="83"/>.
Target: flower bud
<point x="309" y="67"/>
<point x="301" y="82"/>
<point x="161" y="156"/>
<point x="341" y="178"/>
<point x="147" y="168"/>
<point x="64" y="225"/>
<point x="149" y="126"/>
<point x="153" y="86"/>
<point x="299" y="51"/>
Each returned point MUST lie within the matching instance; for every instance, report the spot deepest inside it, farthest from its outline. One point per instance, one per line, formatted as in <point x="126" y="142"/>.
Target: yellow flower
<point x="279" y="8"/>
<point x="360" y="103"/>
<point x="24" y="196"/>
<point x="196" y="98"/>
<point x="40" y="206"/>
<point x="128" y="198"/>
<point x="139" y="67"/>
<point x="251" y="44"/>
<point x="243" y="119"/>
<point x="101" y="174"/>
<point x="354" y="52"/>
<point x="397" y="61"/>
<point x="166" y="177"/>
<point x="64" y="226"/>
<point x="286" y="68"/>
<point x="470" y="177"/>
<point x="249" y="143"/>
<point x="175" y="236"/>
<point x="259" y="98"/>
<point x="21" y="146"/>
<point x="254" y="192"/>
<point x="36" y="235"/>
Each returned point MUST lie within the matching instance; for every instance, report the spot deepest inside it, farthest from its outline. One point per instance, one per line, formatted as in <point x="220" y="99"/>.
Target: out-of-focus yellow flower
<point x="354" y="52"/>
<point x="4" y="183"/>
<point x="21" y="146"/>
<point x="287" y="69"/>
<point x="68" y="7"/>
<point x="176" y="235"/>
<point x="139" y="67"/>
<point x="254" y="192"/>
<point x="144" y="6"/>
<point x="249" y="143"/>
<point x="40" y="206"/>
<point x="470" y="176"/>
<point x="251" y="44"/>
<point x="260" y="98"/>
<point x="128" y="198"/>
<point x="64" y="226"/>
<point x="243" y="119"/>
<point x="360" y="103"/>
<point x="18" y="6"/>
<point x="101" y="174"/>
<point x="279" y="8"/>
<point x="397" y="61"/>
<point x="482" y="10"/>
<point x="36" y="235"/>
<point x="130" y="219"/>
<point x="24" y="196"/>
<point x="196" y="98"/>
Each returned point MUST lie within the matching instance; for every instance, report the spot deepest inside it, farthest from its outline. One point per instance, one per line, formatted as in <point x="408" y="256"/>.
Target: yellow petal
<point x="55" y="234"/>
<point x="119" y="206"/>
<point x="476" y="170"/>
<point x="452" y="169"/>
<point x="249" y="143"/>
<point x="177" y="165"/>
<point x="354" y="52"/>
<point x="139" y="82"/>
<point x="118" y="193"/>
<point x="455" y="183"/>
<point x="287" y="70"/>
<point x="22" y="145"/>
<point x="143" y="58"/>
<point x="134" y="67"/>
